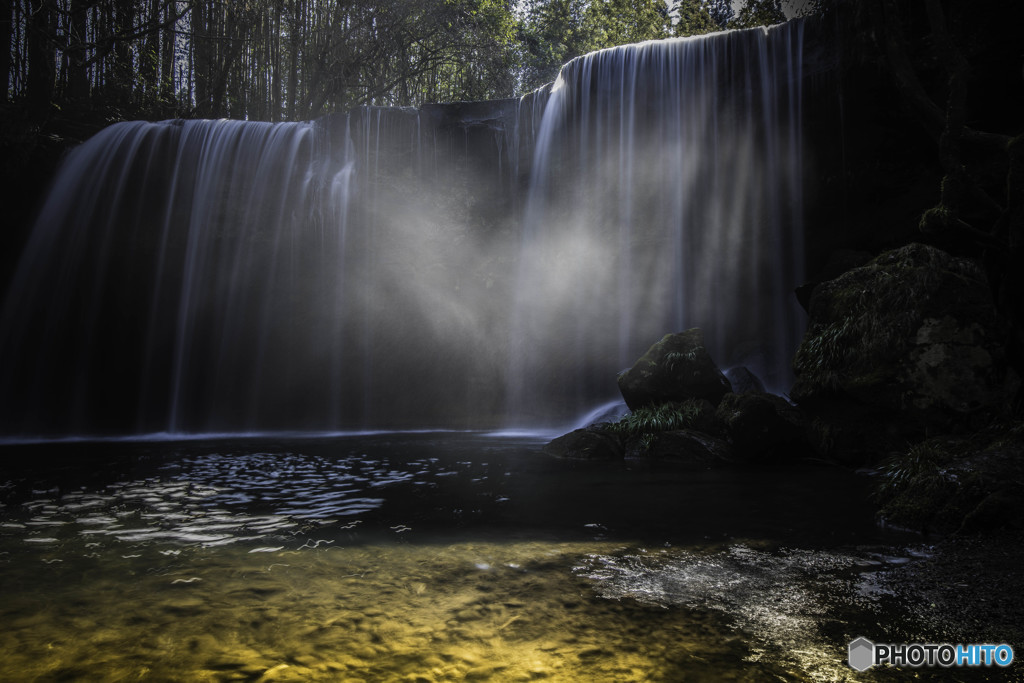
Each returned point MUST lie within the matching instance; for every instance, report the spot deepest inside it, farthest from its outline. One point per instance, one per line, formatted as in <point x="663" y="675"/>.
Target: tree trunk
<point x="293" y="67"/>
<point x="122" y="74"/>
<point x="149" y="58"/>
<point x="42" y="63"/>
<point x="275" y="64"/>
<point x="76" y="54"/>
<point x="167" y="58"/>
<point x="6" y="8"/>
<point x="201" y="57"/>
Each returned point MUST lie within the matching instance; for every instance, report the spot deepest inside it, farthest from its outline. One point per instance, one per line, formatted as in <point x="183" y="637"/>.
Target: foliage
<point x="922" y="466"/>
<point x="618" y="22"/>
<point x="720" y="11"/>
<point x="298" y="59"/>
<point x="759" y="13"/>
<point x="917" y="493"/>
<point x="553" y="32"/>
<point x="966" y="484"/>
<point x="646" y="421"/>
<point x="825" y="351"/>
<point x="809" y="8"/>
<point x="864" y="321"/>
<point x="696" y="17"/>
<point x="261" y="59"/>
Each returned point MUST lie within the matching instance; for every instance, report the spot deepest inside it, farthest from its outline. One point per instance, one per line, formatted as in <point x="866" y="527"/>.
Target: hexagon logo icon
<point x="862" y="654"/>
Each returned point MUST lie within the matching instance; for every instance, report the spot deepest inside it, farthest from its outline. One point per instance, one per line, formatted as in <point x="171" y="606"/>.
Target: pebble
<point x="365" y="652"/>
<point x="484" y="673"/>
<point x="305" y="660"/>
<point x="420" y="678"/>
<point x="185" y="607"/>
<point x="462" y="655"/>
<point x="467" y="614"/>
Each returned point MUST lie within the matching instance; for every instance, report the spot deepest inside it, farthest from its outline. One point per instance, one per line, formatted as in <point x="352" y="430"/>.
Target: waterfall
<point x="455" y="265"/>
<point x="161" y="272"/>
<point x="665" y="194"/>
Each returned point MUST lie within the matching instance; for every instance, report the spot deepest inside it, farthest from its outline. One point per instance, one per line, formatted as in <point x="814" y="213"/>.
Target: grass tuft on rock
<point x="643" y="423"/>
<point x="966" y="484"/>
<point x="865" y="321"/>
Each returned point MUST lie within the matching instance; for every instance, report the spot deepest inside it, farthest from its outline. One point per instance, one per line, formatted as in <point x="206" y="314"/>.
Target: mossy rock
<point x="969" y="485"/>
<point x="687" y="432"/>
<point x="677" y="368"/>
<point x="912" y="334"/>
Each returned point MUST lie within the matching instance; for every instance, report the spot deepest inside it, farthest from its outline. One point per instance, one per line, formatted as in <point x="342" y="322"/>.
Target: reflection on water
<point x="779" y="599"/>
<point x="209" y="499"/>
<point x="424" y="559"/>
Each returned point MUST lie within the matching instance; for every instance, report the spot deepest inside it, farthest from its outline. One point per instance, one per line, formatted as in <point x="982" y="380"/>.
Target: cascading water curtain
<point x="229" y="276"/>
<point x="164" y="278"/>
<point x="665" y="194"/>
<point x="381" y="268"/>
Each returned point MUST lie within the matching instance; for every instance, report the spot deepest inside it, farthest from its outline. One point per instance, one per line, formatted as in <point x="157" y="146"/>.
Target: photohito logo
<point x="864" y="654"/>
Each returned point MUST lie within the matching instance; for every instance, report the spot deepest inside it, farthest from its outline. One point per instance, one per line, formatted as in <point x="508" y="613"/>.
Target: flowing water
<point x="428" y="557"/>
<point x="665" y="194"/>
<point x="480" y="264"/>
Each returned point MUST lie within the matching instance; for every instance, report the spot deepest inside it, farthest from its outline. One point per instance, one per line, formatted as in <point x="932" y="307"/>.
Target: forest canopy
<point x="278" y="60"/>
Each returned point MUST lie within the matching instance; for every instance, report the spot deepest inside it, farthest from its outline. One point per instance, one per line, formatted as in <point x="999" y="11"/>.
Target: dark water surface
<point x="428" y="557"/>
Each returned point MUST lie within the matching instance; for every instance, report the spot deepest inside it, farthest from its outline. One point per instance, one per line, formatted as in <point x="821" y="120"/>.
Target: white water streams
<point x="383" y="268"/>
<point x="665" y="194"/>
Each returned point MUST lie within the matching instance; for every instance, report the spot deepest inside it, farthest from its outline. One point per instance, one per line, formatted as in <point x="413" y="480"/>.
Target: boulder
<point x="676" y="368"/>
<point x="763" y="425"/>
<point x="595" y="442"/>
<point x="911" y="338"/>
<point x="839" y="262"/>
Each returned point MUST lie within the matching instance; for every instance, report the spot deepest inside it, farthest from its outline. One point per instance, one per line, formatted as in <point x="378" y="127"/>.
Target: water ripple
<point x="212" y="499"/>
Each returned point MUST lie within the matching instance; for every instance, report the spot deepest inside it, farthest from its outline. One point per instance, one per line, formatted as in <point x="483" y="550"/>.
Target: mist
<point x="473" y="265"/>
